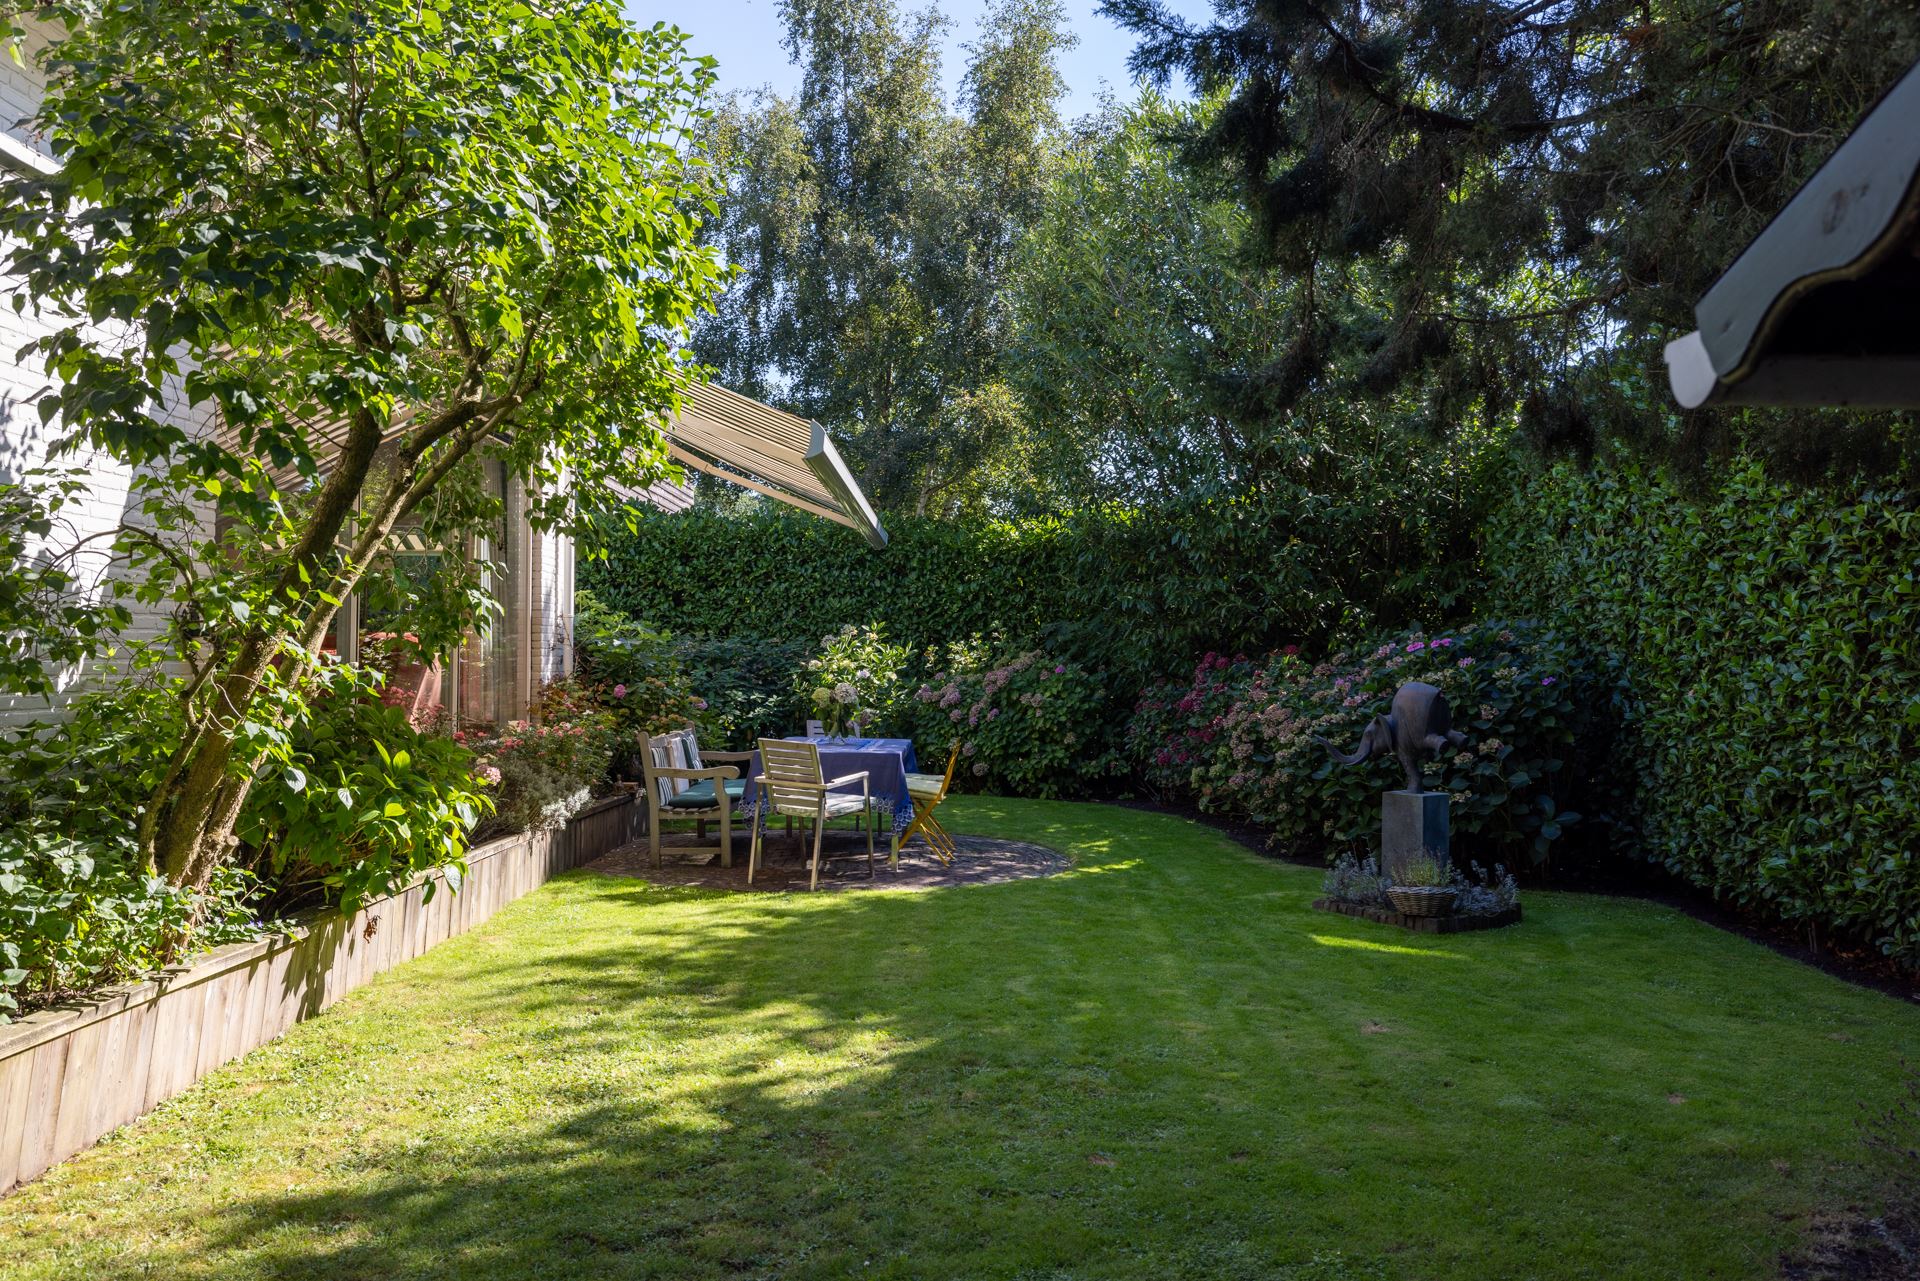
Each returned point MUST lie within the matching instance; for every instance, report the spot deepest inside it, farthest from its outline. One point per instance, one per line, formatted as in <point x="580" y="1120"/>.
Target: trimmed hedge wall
<point x="1768" y="639"/>
<point x="1132" y="595"/>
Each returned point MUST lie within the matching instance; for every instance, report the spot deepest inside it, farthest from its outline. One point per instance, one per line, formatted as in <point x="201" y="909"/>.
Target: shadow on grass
<point x="1160" y="1063"/>
<point x="757" y="1095"/>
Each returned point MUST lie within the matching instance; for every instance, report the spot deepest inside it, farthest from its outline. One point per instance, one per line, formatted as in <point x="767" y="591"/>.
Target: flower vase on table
<point x="840" y="710"/>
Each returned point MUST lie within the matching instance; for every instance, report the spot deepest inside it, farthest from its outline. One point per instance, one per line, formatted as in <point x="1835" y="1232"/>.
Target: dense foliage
<point x="74" y="917"/>
<point x="545" y="769"/>
<point x="1241" y="738"/>
<point x="370" y="802"/>
<point x="1134" y="594"/>
<point x="373" y="239"/>
<point x="871" y="226"/>
<point x="746" y="683"/>
<point x="733" y="689"/>
<point x="78" y="906"/>
<point x="852" y="684"/>
<point x="1769" y="637"/>
<point x="1492" y="210"/>
<point x="1027" y="724"/>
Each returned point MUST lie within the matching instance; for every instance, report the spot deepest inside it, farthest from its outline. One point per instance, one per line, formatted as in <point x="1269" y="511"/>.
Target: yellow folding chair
<point x="927" y="791"/>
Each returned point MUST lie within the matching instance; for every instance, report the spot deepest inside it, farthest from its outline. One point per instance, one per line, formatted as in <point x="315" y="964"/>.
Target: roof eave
<point x="1850" y="225"/>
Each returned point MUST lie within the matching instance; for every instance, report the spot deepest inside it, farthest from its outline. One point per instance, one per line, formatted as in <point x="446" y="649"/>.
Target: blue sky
<point x="745" y="36"/>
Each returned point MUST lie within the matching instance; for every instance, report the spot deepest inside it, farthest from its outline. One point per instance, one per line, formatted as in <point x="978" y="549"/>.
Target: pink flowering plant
<point x="547" y="769"/>
<point x="1175" y="724"/>
<point x="1240" y="740"/>
<point x="1031" y="725"/>
<point x="630" y="672"/>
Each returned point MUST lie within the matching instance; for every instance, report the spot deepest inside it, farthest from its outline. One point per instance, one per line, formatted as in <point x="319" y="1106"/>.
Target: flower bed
<point x="1030" y="726"/>
<point x="1482" y="900"/>
<point x="1241" y="737"/>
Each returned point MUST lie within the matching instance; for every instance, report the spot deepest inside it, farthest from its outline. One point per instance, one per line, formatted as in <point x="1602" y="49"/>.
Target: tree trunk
<point x="197" y="806"/>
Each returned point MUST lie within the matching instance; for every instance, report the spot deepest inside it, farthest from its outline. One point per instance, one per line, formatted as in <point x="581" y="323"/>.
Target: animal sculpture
<point x="1418" y="726"/>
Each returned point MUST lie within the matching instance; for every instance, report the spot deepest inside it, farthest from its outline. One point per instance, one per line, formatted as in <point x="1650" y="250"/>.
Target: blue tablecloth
<point x="887" y="762"/>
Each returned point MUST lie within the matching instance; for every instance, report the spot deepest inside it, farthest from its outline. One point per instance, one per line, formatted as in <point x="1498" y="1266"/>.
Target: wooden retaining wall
<point x="68" y="1076"/>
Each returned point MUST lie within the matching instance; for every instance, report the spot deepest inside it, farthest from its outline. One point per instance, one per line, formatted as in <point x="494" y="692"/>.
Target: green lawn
<point x="1161" y="1064"/>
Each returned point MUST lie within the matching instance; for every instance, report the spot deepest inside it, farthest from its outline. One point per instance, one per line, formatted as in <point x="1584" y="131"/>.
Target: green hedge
<point x="1131" y="594"/>
<point x="1769" y="638"/>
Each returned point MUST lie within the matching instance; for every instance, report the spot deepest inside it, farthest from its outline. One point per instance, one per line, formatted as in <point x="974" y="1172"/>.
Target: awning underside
<point x="770" y="452"/>
<point x="1818" y="310"/>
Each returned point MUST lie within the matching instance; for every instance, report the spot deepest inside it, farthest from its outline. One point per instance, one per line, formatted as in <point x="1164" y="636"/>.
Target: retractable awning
<point x="787" y="458"/>
<point x="1819" y="310"/>
<point x="724" y="434"/>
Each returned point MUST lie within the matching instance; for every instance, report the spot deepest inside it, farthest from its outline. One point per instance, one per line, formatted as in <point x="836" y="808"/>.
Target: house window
<point x="470" y="683"/>
<point x="482" y="666"/>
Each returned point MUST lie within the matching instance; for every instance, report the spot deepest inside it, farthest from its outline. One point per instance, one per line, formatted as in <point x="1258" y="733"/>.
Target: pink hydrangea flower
<point x="619" y="691"/>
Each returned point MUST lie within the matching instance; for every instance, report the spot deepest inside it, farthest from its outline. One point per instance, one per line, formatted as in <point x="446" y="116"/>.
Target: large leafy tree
<point x="1148" y="328"/>
<point x="367" y="239"/>
<point x="1538" y="189"/>
<point x="871" y="226"/>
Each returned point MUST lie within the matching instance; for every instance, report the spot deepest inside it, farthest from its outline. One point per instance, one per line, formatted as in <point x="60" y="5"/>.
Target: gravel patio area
<point x="983" y="860"/>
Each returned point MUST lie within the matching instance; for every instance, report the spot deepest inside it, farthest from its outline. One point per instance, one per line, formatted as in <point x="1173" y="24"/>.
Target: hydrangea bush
<point x="634" y="672"/>
<point x="546" y="771"/>
<point x="1174" y="725"/>
<point x="1033" y="725"/>
<point x="853" y="684"/>
<point x="1241" y="739"/>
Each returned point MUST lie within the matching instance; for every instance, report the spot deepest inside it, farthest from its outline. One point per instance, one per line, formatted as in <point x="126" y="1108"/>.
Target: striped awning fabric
<point x="771" y="452"/>
<point x="722" y="433"/>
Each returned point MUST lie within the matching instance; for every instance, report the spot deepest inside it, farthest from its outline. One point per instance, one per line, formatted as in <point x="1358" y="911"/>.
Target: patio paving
<point x="983" y="860"/>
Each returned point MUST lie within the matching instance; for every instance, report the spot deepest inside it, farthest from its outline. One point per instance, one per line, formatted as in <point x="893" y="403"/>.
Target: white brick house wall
<point x="24" y="442"/>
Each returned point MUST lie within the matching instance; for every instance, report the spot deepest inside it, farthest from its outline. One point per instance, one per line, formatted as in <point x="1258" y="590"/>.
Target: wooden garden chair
<point x="792" y="786"/>
<point x="681" y="786"/>
<point x="927" y="791"/>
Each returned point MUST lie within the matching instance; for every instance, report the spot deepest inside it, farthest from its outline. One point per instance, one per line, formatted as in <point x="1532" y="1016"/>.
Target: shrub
<point x="1768" y="637"/>
<point x="640" y="681"/>
<point x="367" y="803"/>
<point x="1031" y="726"/>
<point x="1131" y="592"/>
<point x="76" y="915"/>
<point x="746" y="684"/>
<point x="1173" y="725"/>
<point x="853" y="682"/>
<point x="1516" y="690"/>
<point x="1355" y="880"/>
<point x="77" y="909"/>
<point x="547" y="770"/>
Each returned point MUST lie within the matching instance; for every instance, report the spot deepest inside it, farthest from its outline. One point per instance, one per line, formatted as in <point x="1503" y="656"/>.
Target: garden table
<point x="887" y="762"/>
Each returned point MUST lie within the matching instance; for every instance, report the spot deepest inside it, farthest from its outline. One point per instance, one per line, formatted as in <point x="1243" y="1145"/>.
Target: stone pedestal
<point x="1411" y="824"/>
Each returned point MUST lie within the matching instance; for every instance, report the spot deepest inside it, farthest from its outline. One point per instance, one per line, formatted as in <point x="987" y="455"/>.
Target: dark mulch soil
<point x="982" y="861"/>
<point x="1858" y="966"/>
<point x="1854" y="1245"/>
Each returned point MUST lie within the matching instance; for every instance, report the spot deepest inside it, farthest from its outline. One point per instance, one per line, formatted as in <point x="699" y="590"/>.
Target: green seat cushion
<point x="699" y="796"/>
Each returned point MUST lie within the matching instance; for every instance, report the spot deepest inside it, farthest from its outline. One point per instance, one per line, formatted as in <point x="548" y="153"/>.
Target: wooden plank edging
<point x="71" y="1074"/>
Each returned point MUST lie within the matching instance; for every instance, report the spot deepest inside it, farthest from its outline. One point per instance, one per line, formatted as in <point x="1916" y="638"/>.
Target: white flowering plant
<point x="853" y="682"/>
